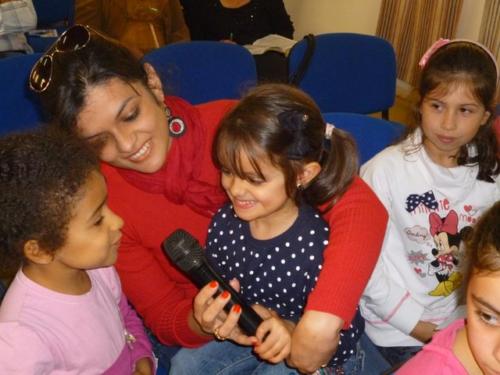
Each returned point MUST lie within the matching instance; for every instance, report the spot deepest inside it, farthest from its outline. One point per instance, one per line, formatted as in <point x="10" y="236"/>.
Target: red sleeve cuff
<point x="175" y="330"/>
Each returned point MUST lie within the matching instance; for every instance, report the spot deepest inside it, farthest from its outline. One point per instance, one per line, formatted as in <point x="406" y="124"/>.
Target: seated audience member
<point x="139" y="24"/>
<point x="16" y="17"/>
<point x="238" y="21"/>
<point x="449" y="175"/>
<point x="275" y="163"/>
<point x="243" y="22"/>
<point x="472" y="345"/>
<point x="64" y="312"/>
<point x="156" y="153"/>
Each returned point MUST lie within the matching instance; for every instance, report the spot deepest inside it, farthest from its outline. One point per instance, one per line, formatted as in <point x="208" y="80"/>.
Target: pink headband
<point x="442" y="42"/>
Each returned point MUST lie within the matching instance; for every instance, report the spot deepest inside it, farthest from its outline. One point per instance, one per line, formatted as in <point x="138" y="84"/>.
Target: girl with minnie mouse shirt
<point x="447" y="176"/>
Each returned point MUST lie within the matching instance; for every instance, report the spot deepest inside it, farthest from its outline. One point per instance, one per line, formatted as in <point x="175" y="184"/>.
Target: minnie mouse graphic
<point x="447" y="239"/>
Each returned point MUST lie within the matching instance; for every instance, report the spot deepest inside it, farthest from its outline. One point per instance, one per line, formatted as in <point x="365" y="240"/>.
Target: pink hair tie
<point x="329" y="130"/>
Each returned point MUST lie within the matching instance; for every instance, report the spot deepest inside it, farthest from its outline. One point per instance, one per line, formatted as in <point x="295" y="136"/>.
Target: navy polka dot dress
<point x="278" y="273"/>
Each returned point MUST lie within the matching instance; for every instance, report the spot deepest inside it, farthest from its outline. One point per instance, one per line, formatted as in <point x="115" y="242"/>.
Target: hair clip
<point x="294" y="122"/>
<point x="329" y="130"/>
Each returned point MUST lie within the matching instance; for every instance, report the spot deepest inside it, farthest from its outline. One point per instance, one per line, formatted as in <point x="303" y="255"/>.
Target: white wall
<point x="325" y="16"/>
<point x="361" y="16"/>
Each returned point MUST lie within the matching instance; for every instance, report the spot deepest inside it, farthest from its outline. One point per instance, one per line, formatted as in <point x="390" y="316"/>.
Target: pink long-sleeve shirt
<point x="437" y="357"/>
<point x="46" y="332"/>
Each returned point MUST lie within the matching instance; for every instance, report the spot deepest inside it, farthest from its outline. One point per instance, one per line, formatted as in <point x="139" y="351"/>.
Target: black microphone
<point x="186" y="253"/>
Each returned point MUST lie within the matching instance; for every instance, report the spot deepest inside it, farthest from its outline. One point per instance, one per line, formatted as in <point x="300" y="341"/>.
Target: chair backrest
<point x="51" y="14"/>
<point x="348" y="72"/>
<point x="200" y="71"/>
<point x="371" y="134"/>
<point x="58" y="14"/>
<point x="19" y="106"/>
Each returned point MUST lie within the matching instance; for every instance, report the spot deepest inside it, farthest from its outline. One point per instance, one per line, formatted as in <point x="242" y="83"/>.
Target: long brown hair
<point x="465" y="63"/>
<point x="257" y="128"/>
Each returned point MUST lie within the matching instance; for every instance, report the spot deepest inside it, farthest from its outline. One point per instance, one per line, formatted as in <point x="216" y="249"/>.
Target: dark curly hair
<point x="41" y="176"/>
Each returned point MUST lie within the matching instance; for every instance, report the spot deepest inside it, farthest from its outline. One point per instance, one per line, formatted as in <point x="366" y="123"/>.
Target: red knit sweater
<point x="163" y="295"/>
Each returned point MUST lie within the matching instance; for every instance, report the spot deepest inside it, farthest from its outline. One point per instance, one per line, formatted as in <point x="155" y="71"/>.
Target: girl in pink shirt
<point x="64" y="312"/>
<point x="471" y="346"/>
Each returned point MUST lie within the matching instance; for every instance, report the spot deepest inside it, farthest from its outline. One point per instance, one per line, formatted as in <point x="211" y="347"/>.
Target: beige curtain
<point x="489" y="33"/>
<point x="411" y="26"/>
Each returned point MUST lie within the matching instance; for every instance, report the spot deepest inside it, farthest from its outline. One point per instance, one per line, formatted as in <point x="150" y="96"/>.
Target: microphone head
<point x="184" y="250"/>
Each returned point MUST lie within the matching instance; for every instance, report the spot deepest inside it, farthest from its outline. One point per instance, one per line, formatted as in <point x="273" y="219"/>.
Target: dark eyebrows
<point x="436" y="99"/>
<point x="485" y="304"/>
<point x="123" y="105"/>
<point x="472" y="105"/>
<point x="117" y="116"/>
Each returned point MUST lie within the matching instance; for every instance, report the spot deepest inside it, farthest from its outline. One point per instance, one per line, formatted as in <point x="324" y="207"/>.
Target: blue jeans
<point x="224" y="358"/>
<point x="162" y="352"/>
<point x="397" y="355"/>
<point x="371" y="361"/>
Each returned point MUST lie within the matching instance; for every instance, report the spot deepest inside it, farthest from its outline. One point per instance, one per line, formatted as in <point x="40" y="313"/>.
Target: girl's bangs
<point x="232" y="148"/>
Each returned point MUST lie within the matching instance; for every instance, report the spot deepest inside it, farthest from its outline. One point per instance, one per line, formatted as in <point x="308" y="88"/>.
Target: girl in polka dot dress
<point x="276" y="155"/>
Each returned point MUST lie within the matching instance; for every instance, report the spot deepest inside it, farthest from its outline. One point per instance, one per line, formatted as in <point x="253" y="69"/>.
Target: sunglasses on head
<point x="73" y="39"/>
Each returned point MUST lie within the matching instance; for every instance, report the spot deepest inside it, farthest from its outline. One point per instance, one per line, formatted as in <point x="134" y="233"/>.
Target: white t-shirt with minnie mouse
<point x="418" y="273"/>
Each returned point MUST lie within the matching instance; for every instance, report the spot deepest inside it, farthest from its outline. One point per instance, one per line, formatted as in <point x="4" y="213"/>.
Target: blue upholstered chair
<point x="201" y="71"/>
<point x="51" y="14"/>
<point x="371" y="134"/>
<point x="348" y="72"/>
<point x="59" y="14"/>
<point x="19" y="106"/>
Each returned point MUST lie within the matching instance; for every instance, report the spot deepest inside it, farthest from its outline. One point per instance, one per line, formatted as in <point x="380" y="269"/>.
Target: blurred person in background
<point x="138" y="24"/>
<point x="16" y="17"/>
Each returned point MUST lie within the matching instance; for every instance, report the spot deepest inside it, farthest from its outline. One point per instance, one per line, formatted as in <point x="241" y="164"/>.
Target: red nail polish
<point x="237" y="308"/>
<point x="213" y="284"/>
<point x="225" y="294"/>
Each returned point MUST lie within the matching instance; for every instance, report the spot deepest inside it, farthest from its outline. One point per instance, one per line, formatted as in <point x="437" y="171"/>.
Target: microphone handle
<point x="249" y="320"/>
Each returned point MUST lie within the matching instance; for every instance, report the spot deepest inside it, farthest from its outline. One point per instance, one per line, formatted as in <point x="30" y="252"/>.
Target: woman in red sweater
<point x="157" y="161"/>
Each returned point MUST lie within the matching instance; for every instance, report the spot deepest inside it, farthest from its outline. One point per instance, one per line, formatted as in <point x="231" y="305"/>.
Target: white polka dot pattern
<point x="278" y="273"/>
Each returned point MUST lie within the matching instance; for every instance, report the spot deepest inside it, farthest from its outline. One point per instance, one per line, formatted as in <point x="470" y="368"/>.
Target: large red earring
<point x="176" y="126"/>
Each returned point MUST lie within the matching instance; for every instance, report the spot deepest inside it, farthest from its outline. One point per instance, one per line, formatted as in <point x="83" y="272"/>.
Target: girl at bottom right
<point x="471" y="345"/>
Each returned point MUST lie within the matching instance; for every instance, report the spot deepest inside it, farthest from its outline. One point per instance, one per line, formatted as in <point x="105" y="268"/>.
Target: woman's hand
<point x="274" y="335"/>
<point x="143" y="367"/>
<point x="314" y="340"/>
<point x="208" y="312"/>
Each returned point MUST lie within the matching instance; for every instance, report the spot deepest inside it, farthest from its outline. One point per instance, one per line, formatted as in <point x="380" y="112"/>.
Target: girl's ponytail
<point x="339" y="166"/>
